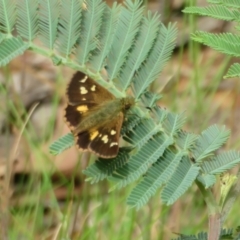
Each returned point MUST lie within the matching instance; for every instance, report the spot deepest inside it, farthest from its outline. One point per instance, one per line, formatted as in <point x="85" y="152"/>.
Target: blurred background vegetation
<point x="49" y="198"/>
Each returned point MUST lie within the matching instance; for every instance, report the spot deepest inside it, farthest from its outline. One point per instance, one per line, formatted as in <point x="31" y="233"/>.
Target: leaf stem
<point x="214" y="213"/>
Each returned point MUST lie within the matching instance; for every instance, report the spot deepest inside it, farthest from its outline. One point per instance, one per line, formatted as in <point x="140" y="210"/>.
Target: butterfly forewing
<point x="82" y="89"/>
<point x="75" y="113"/>
<point x="83" y="95"/>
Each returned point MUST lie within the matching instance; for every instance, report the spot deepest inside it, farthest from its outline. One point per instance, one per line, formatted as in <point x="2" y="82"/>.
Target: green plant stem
<point x="214" y="213"/>
<point x="230" y="199"/>
<point x="57" y="60"/>
<point x="196" y="92"/>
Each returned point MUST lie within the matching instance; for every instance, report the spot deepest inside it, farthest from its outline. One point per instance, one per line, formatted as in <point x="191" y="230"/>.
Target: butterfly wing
<point x="84" y="90"/>
<point x="83" y="96"/>
<point x="103" y="141"/>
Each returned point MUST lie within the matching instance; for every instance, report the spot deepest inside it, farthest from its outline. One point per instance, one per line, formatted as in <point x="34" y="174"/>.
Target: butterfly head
<point x="127" y="103"/>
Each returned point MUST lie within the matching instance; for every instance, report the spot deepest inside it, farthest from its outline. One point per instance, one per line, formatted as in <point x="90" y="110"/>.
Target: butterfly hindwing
<point x="83" y="140"/>
<point x="106" y="143"/>
<point x="103" y="141"/>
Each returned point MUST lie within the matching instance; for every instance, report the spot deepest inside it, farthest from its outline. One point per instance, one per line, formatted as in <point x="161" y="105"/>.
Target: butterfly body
<point x="95" y="116"/>
<point x="102" y="114"/>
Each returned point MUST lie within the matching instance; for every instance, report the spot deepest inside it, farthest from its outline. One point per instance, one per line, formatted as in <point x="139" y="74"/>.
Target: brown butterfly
<point x="95" y="116"/>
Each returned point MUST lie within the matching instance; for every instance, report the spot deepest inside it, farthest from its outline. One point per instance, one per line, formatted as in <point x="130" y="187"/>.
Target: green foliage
<point x="207" y="179"/>
<point x="128" y="23"/>
<point x="48" y="21"/>
<point x="234" y="71"/>
<point x="182" y="179"/>
<point x="225" y="234"/>
<point x="133" y="49"/>
<point x="219" y="12"/>
<point x="210" y="140"/>
<point x="87" y="42"/>
<point x="69" y="27"/>
<point x="27" y="19"/>
<point x="7" y="16"/>
<point x="106" y="35"/>
<point x="158" y="174"/>
<point x="227" y="43"/>
<point x="149" y="30"/>
<point x="221" y="162"/>
<point x="156" y="60"/>
<point x="62" y="144"/>
<point x="107" y="169"/>
<point x="214" y="137"/>
<point x="11" y="48"/>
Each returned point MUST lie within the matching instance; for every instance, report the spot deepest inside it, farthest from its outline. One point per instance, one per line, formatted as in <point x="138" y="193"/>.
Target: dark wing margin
<point x="83" y="140"/>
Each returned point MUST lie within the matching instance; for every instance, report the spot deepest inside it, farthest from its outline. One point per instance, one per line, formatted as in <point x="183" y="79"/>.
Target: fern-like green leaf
<point x="210" y="140"/>
<point x="186" y="140"/>
<point x="144" y="43"/>
<point x="141" y="132"/>
<point x="226" y="3"/>
<point x="7" y="15"/>
<point x="157" y="58"/>
<point x="11" y="48"/>
<point x="2" y="37"/>
<point x="150" y="99"/>
<point x="207" y="180"/>
<point x="173" y="123"/>
<point x="69" y="26"/>
<point x="233" y="71"/>
<point x="160" y="114"/>
<point x="49" y="11"/>
<point x="62" y="144"/>
<point x="226" y="43"/>
<point x="199" y="236"/>
<point x="126" y="30"/>
<point x="219" y="12"/>
<point x="225" y="234"/>
<point x="102" y="169"/>
<point x="27" y="19"/>
<point x="106" y="35"/>
<point x="92" y="20"/>
<point x="180" y="181"/>
<point x="140" y="162"/>
<point x="221" y="162"/>
<point x="130" y="123"/>
<point x="158" y="174"/>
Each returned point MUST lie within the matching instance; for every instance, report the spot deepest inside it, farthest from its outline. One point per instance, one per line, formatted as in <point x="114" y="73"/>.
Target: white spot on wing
<point x="84" y="79"/>
<point x="105" y="138"/>
<point x="113" y="132"/>
<point x="113" y="144"/>
<point x="93" y="88"/>
<point x="83" y="90"/>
